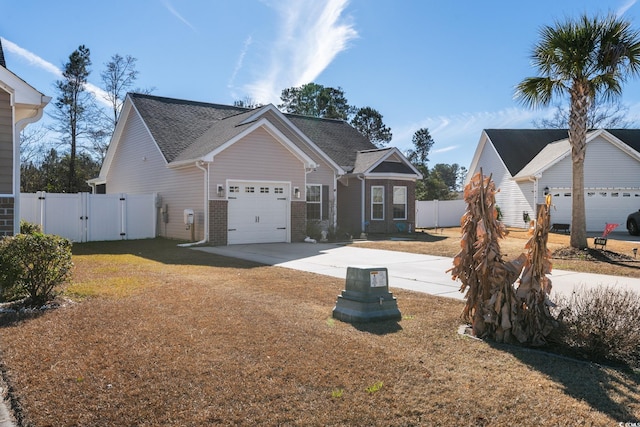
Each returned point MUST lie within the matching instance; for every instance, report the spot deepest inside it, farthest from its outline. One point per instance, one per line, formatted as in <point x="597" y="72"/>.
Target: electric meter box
<point x="366" y="297"/>
<point x="188" y="216"/>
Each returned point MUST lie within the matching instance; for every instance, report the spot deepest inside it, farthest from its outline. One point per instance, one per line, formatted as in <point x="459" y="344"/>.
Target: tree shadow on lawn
<point x="585" y="381"/>
<point x="161" y="250"/>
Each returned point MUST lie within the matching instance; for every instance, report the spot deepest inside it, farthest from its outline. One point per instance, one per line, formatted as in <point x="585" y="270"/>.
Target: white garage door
<point x="258" y="212"/>
<point x="602" y="206"/>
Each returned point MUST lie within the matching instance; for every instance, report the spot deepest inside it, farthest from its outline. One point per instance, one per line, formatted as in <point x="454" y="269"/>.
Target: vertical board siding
<point x="91" y="217"/>
<point x="138" y="167"/>
<point x="6" y="144"/>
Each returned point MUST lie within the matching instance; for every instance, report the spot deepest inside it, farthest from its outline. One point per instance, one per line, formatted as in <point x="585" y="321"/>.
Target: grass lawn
<point x="164" y="336"/>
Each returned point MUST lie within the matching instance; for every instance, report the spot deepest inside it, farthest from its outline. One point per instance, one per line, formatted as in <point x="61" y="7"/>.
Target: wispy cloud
<point x="37" y="62"/>
<point x="31" y="58"/>
<point x="177" y="15"/>
<point x="456" y="136"/>
<point x="245" y="48"/>
<point x="312" y="33"/>
<point x="628" y="4"/>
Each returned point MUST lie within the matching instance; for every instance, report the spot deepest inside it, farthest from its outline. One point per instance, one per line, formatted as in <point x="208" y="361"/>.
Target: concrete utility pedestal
<point x="366" y="297"/>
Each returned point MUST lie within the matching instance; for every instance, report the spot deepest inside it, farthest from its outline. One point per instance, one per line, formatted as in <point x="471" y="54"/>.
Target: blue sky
<point x="449" y="66"/>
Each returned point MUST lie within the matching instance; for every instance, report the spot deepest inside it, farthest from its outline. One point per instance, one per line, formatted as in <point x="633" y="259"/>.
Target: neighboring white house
<point x="254" y="175"/>
<point x="527" y="164"/>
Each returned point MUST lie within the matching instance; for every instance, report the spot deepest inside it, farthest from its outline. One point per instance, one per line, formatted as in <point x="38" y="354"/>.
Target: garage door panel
<point x="258" y="213"/>
<point x="601" y="206"/>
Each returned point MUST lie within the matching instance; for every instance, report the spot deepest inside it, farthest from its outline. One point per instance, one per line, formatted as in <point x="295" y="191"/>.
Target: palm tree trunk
<point x="578" y="141"/>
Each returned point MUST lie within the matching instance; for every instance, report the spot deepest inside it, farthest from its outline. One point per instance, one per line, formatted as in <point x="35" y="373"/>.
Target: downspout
<point x="362" y="199"/>
<point x="205" y="238"/>
<point x="535" y="179"/>
<point x="19" y="125"/>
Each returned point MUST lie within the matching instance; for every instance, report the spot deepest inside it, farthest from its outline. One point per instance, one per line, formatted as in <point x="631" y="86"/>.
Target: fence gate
<point x="85" y="217"/>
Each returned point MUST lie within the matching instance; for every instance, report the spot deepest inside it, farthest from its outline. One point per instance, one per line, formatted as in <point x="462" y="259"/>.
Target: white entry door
<point x="258" y="212"/>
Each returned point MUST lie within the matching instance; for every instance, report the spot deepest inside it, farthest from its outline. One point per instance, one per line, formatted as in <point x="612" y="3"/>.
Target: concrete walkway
<point x="422" y="273"/>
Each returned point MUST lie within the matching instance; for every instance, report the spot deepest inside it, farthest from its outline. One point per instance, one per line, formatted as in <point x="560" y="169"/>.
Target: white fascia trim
<point x="390" y="175"/>
<point x="590" y="137"/>
<point x="394" y="150"/>
<point x="285" y="120"/>
<point x="279" y="136"/>
<point x="117" y="135"/>
<point x="476" y="156"/>
<point x="621" y="145"/>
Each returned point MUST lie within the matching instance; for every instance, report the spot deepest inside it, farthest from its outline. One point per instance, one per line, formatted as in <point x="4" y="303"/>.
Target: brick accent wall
<point x="6" y="216"/>
<point x="388" y="225"/>
<point x="298" y="221"/>
<point x="218" y="226"/>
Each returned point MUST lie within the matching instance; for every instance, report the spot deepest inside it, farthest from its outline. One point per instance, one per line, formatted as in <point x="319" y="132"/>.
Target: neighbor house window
<point x="399" y="202"/>
<point x="314" y="202"/>
<point x="377" y="202"/>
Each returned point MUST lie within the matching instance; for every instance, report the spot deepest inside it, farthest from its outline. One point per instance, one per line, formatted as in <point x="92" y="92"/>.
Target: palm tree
<point x="585" y="58"/>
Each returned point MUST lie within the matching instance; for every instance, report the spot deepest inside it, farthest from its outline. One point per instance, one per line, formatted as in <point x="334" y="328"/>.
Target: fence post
<point x="41" y="195"/>
<point x="123" y="216"/>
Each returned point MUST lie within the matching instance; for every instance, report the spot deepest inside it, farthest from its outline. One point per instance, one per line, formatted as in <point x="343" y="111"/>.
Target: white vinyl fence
<point x="439" y="213"/>
<point x="85" y="217"/>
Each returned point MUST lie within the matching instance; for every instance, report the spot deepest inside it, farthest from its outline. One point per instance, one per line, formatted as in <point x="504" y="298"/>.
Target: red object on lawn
<point x="608" y="228"/>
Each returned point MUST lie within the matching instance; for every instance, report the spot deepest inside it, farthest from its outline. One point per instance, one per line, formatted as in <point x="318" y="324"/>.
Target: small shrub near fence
<point x="33" y="265"/>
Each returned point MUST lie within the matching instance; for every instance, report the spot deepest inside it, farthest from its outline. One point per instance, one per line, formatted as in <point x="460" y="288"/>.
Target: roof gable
<point x="384" y="161"/>
<point x="516" y="147"/>
<point x="529" y="152"/>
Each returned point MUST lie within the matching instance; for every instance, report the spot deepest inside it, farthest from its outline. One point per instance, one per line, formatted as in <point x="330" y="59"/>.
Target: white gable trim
<point x="590" y="137"/>
<point x="294" y="128"/>
<point x="128" y="108"/>
<point x="476" y="156"/>
<point x="392" y="150"/>
<point x="309" y="163"/>
<point x="23" y="93"/>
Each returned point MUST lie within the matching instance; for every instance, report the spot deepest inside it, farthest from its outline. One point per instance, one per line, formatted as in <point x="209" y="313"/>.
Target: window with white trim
<point x="377" y="202"/>
<point x="400" y="202"/>
<point x="314" y="201"/>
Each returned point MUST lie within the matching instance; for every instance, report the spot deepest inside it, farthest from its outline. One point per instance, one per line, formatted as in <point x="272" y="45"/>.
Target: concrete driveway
<point x="422" y="273"/>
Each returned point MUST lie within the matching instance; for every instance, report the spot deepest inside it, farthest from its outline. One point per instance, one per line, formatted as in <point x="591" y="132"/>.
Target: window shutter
<point x="325" y="202"/>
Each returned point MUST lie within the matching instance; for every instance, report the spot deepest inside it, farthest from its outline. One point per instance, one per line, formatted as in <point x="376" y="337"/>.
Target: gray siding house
<point x="528" y="164"/>
<point x="254" y="175"/>
<point x="20" y="104"/>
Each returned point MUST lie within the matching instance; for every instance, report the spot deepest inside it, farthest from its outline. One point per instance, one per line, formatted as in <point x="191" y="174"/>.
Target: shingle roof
<point x="2" y="61"/>
<point x="366" y="159"/>
<point x="517" y="147"/>
<point x="187" y="130"/>
<point x="175" y="123"/>
<point x="338" y="139"/>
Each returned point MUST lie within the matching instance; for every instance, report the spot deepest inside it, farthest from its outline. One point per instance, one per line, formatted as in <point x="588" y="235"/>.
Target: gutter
<point x="205" y="239"/>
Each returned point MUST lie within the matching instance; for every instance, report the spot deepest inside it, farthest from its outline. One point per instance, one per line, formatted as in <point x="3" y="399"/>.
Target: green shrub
<point x="601" y="324"/>
<point x="29" y="227"/>
<point x="34" y="266"/>
<point x="314" y="229"/>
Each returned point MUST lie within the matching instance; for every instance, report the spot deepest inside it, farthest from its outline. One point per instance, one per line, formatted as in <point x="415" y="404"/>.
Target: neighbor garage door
<point x="602" y="206"/>
<point x="258" y="212"/>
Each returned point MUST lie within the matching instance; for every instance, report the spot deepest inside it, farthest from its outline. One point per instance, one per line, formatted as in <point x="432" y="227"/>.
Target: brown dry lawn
<point x="166" y="336"/>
